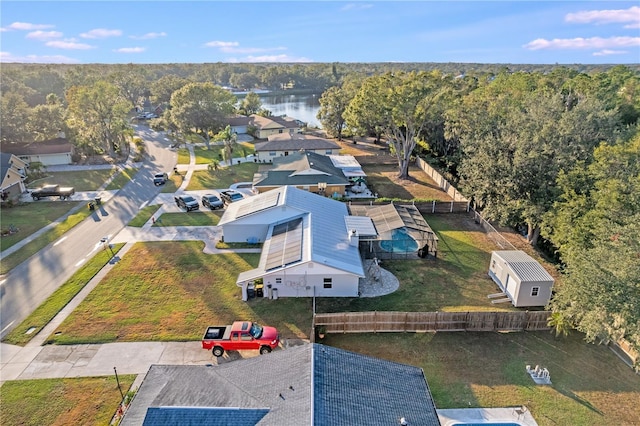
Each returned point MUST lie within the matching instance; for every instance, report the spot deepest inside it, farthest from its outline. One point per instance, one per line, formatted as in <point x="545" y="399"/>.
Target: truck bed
<point x="218" y="333"/>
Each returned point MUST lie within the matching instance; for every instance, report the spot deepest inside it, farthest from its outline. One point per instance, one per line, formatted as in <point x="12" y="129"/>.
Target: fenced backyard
<point x="420" y="322"/>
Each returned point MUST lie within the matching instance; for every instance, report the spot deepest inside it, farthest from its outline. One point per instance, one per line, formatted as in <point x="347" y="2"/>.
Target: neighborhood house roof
<point x="348" y="164"/>
<point x="526" y="267"/>
<point x="52" y="146"/>
<point x="295" y="142"/>
<point x="311" y="384"/>
<point x="301" y="168"/>
<point x="323" y="233"/>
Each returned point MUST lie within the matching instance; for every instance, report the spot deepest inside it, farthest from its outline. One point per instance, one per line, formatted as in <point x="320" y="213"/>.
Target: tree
<point x="46" y="121"/>
<point x="163" y="88"/>
<point x="516" y="139"/>
<point x="251" y="104"/>
<point x="333" y="102"/>
<point x="229" y="139"/>
<point x="98" y="116"/>
<point x="131" y="83"/>
<point x="201" y="108"/>
<point x="15" y="116"/>
<point x="365" y="113"/>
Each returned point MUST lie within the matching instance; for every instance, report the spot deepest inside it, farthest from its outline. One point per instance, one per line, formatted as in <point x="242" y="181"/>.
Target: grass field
<point x="222" y="178"/>
<point x="81" y="401"/>
<point x="202" y="217"/>
<point x="591" y="386"/>
<point x="85" y="180"/>
<point x="205" y="156"/>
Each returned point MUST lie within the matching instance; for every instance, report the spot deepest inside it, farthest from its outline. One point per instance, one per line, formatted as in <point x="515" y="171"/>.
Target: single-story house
<point x="51" y="152"/>
<point x="521" y="278"/>
<point x="392" y="230"/>
<point x="238" y="124"/>
<point x="305" y="170"/>
<point x="274" y="125"/>
<point x="310" y="384"/>
<point x="13" y="172"/>
<point x="285" y="144"/>
<point x="307" y="250"/>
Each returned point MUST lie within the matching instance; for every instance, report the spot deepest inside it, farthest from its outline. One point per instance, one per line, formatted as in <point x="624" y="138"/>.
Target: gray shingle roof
<point x="341" y="387"/>
<point x="302" y="168"/>
<point x="353" y="389"/>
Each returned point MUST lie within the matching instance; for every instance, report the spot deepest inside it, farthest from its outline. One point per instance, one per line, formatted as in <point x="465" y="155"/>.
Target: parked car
<point x="211" y="201"/>
<point x="229" y="196"/>
<point x="53" y="191"/>
<point x="160" y="179"/>
<point x="186" y="202"/>
<point x="241" y="335"/>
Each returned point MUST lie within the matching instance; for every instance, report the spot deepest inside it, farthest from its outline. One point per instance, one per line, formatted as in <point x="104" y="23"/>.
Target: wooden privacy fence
<point x="398" y="322"/>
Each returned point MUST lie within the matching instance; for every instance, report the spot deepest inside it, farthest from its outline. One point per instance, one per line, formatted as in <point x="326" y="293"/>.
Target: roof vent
<point x="403" y="421"/>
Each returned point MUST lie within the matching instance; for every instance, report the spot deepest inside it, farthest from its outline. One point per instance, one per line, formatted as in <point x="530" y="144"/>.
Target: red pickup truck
<point x="240" y="336"/>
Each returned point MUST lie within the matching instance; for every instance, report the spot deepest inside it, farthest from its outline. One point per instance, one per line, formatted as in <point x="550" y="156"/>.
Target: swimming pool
<point x="400" y="242"/>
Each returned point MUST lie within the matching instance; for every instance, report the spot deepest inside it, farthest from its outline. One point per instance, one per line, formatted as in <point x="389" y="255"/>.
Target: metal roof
<point x="524" y="266"/>
<point x="363" y="225"/>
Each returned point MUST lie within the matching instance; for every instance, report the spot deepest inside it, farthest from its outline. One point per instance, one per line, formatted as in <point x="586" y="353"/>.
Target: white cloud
<point x="273" y="58"/>
<point x="630" y="16"/>
<point x="68" y="44"/>
<point x="101" y="33"/>
<point x="607" y="52"/>
<point x="583" y="43"/>
<point x="224" y="44"/>
<point x="356" y="6"/>
<point x="44" y="35"/>
<point x="35" y="59"/>
<point x="25" y="26"/>
<point x="149" y="36"/>
<point x="130" y="50"/>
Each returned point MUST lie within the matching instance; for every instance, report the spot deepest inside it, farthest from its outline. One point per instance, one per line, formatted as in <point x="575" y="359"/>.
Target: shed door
<point x="511" y="287"/>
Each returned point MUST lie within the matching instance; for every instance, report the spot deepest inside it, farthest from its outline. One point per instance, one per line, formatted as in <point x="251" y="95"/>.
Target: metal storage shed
<point x="521" y="278"/>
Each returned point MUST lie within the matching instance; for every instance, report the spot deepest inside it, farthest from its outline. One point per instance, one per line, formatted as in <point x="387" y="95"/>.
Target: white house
<point x="307" y="250"/>
<point x="52" y="152"/>
<point x="521" y="278"/>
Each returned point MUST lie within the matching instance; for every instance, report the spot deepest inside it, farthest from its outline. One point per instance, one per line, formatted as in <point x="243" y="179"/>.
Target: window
<point x="278" y="280"/>
<point x="272" y="153"/>
<point x="328" y="283"/>
<point x="328" y="152"/>
<point x="535" y="291"/>
<point x="280" y="131"/>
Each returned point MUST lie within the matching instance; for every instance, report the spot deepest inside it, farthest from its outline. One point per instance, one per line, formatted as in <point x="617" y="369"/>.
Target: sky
<point x="151" y="32"/>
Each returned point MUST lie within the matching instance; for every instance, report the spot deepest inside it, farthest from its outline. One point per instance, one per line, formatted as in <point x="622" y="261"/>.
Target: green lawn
<point x="205" y="156"/>
<point x="122" y="179"/>
<point x="9" y="262"/>
<point x="456" y="281"/>
<point x="202" y="217"/>
<point x="144" y="215"/>
<point x="77" y="401"/>
<point x="59" y="299"/>
<point x="222" y="178"/>
<point x="86" y="180"/>
<point x="170" y="291"/>
<point x="591" y="386"/>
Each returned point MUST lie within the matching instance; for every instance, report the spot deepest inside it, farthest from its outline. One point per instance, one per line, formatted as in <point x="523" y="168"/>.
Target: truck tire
<point x="218" y="351"/>
<point x="265" y="350"/>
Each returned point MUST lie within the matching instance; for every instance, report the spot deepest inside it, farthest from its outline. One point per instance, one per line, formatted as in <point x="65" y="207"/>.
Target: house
<point x="305" y="170"/>
<point x="238" y="124"/>
<point x="285" y="144"/>
<point x="306" y="251"/>
<point x="13" y="172"/>
<point x="310" y="384"/>
<point x="521" y="278"/>
<point x="272" y="125"/>
<point x="392" y="231"/>
<point x="51" y="152"/>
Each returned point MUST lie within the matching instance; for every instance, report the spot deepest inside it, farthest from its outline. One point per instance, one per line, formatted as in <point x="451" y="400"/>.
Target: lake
<point x="300" y="107"/>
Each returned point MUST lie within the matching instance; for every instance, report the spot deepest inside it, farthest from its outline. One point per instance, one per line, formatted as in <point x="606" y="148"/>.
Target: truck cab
<point x="241" y="335"/>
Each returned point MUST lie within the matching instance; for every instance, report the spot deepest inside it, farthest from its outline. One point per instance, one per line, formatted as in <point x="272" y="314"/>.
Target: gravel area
<point x="377" y="282"/>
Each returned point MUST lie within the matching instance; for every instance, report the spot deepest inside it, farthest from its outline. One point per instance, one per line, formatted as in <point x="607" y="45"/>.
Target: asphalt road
<point x="30" y="283"/>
